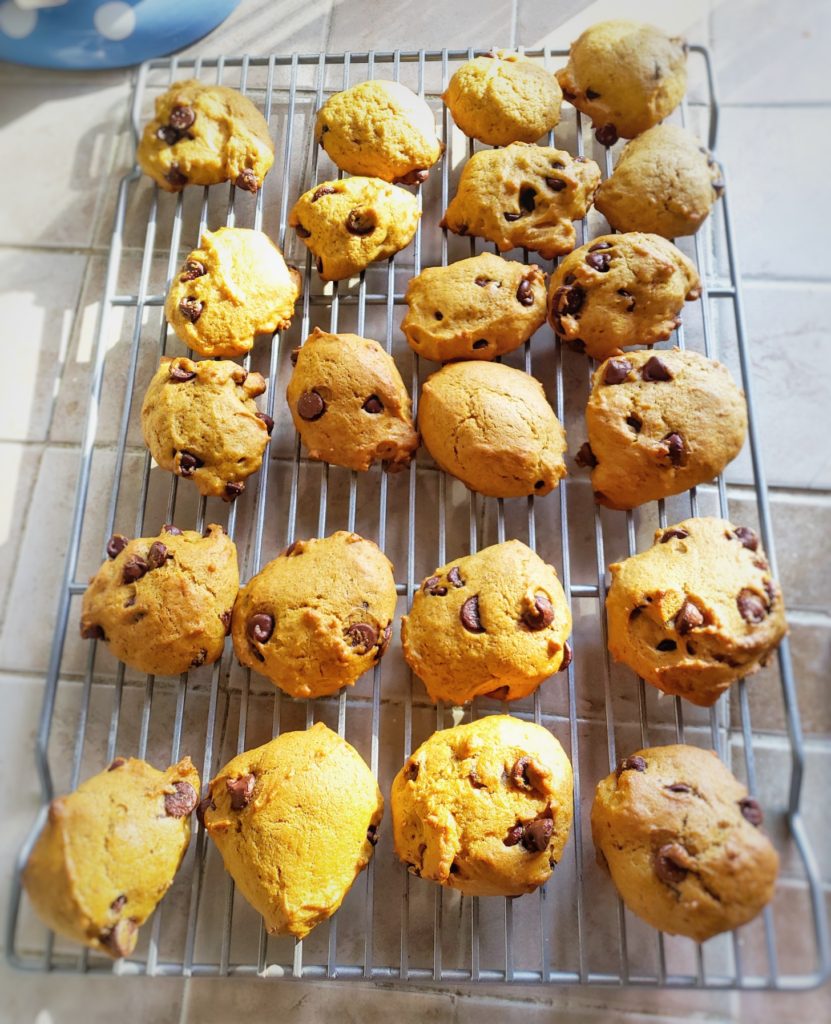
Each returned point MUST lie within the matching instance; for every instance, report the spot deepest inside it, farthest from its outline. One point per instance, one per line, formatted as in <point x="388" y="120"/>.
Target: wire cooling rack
<point x="393" y="926"/>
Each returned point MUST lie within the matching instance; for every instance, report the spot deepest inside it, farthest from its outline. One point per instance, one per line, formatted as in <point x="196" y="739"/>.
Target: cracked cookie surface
<point x="203" y="135"/>
<point x="682" y="841"/>
<point x="696" y="611"/>
<point x="478" y="308"/>
<point x="318" y="616"/>
<point x="495" y="623"/>
<point x="660" y="423"/>
<point x="234" y="286"/>
<point x="200" y="421"/>
<point x="620" y="290"/>
<point x="163" y="604"/>
<point x="523" y="196"/>
<point x="484" y="808"/>
<point x="492" y="427"/>
<point x="109" y="851"/>
<point x="295" y="821"/>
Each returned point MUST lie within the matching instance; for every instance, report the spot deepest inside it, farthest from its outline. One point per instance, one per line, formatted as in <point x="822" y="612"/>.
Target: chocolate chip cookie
<point x="625" y="76"/>
<point x="200" y="422"/>
<point x="503" y="97"/>
<point x="494" y="623"/>
<point x="696" y="611"/>
<point x="620" y="290"/>
<point x="380" y="129"/>
<point x="203" y="135"/>
<point x="296" y="821"/>
<point x="234" y="286"/>
<point x="683" y="842"/>
<point x="350" y="223"/>
<point x="318" y="616"/>
<point x="492" y="427"/>
<point x="109" y="851"/>
<point x="523" y="196"/>
<point x="484" y="808"/>
<point x="163" y="604"/>
<point x="659" y="424"/>
<point x="349" y="403"/>
<point x="478" y="308"/>
<point x="664" y="182"/>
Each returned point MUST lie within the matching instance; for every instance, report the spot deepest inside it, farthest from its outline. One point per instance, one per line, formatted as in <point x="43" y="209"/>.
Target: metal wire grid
<point x="495" y="934"/>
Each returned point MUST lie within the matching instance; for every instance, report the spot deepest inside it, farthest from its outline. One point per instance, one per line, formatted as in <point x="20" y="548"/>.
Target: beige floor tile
<point x="18" y="466"/>
<point x="298" y="25"/>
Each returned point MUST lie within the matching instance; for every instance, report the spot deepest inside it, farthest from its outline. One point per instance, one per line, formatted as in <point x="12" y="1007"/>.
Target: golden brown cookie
<point x="523" y="196"/>
<point x="620" y="290"/>
<point x="296" y="821"/>
<point x="484" y="808"/>
<point x="478" y="308"/>
<point x="234" y="286"/>
<point x="625" y="76"/>
<point x="350" y="223"/>
<point x="682" y="841"/>
<point x="696" y="611"/>
<point x="163" y="604"/>
<point x="109" y="850"/>
<point x="664" y="182"/>
<point x="660" y="424"/>
<point x="503" y="97"/>
<point x="349" y="403"/>
<point x="203" y="135"/>
<point x="380" y="129"/>
<point x="200" y="422"/>
<point x="318" y="616"/>
<point x="492" y="427"/>
<point x="494" y="623"/>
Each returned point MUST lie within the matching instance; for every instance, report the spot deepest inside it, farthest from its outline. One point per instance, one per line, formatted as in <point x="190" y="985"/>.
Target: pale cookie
<point x="109" y="850"/>
<point x="495" y="623"/>
<point x="296" y="822"/>
<point x="696" y="611"/>
<point x="484" y="808"/>
<point x="620" y="290"/>
<point x="492" y="427"/>
<point x="682" y="842"/>
<point x="664" y="182"/>
<point x="625" y="76"/>
<point x="163" y="604"/>
<point x="660" y="424"/>
<point x="318" y="616"/>
<point x="200" y="422"/>
<point x="478" y="308"/>
<point x="503" y="98"/>
<point x="234" y="286"/>
<point x="203" y="135"/>
<point x="350" y="223"/>
<point x="380" y="129"/>
<point x="349" y="403"/>
<point x="523" y="196"/>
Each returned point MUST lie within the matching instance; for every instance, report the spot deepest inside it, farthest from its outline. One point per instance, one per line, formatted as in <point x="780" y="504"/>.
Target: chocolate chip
<point x="473" y="779"/>
<point x="386" y="636"/>
<point x="179" y="375"/>
<point x="121" y="938"/>
<point x="188" y="463"/>
<point x="512" y="216"/>
<point x="600" y="261"/>
<point x="372" y="834"/>
<point x="199" y="658"/>
<point x="319" y="264"/>
<point x="157" y="555"/>
<point x="116" y="763"/>
<point x="679" y="787"/>
<point x="175" y="177"/>
<point x="269" y="422"/>
<point x="630" y="307"/>
<point x="181" y="801"/>
<point x="569" y="279"/>
<point x="191" y="270"/>
<point x="676" y="448"/>
<point x="667" y="645"/>
<point x="240" y="790"/>
<point x="748" y="537"/>
<point x="592" y="95"/>
<point x="168" y="134"/>
<point x="751" y="811"/>
<point x="411" y="770"/>
<point x="415" y="177"/>
<point x="171" y="529"/>
<point x="118" y="903"/>
<point x="568" y="655"/>
<point x="373" y="405"/>
<point x="204" y="805"/>
<point x="116" y="544"/>
<point x="585" y="456"/>
<point x="635" y="613"/>
<point x="606" y="135"/>
<point x="539" y="484"/>
<point x="555" y="184"/>
<point x="537" y="835"/>
<point x="500" y="693"/>
<point x="524" y="293"/>
<point x="310" y="406"/>
<point x="302" y="232"/>
<point x="260" y="627"/>
<point x="181" y="118"/>
<point x="438" y="316"/>
<point x="295" y="352"/>
<point x="655" y="369"/>
<point x="469" y="615"/>
<point x="482" y="281"/>
<point x="669" y="863"/>
<point x="569" y="299"/>
<point x="362" y="637"/>
<point x="770" y="590"/>
<point x="674" y="532"/>
<point x="481" y="343"/>
<point x="751" y="607"/>
<point x="616" y="371"/>
<point x="689" y="617"/>
<point x="295" y="544"/>
<point x="541" y="615"/>
<point x="527" y="199"/>
<point x="247" y="180"/>
<point x="191" y="309"/>
<point x="433" y="587"/>
<point x="360" y="222"/>
<point x="225" y="618"/>
<point x="518" y="773"/>
<point x="455" y="577"/>
<point x="635" y="763"/>
<point x="134" y="568"/>
<point x="514" y="835"/>
<point x="558" y="165"/>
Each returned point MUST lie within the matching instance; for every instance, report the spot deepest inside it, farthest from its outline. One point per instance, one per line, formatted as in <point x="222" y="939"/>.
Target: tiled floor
<point x="771" y="62"/>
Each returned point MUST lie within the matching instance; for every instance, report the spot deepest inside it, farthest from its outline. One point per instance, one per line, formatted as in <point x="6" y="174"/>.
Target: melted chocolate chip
<point x="689" y="617"/>
<point x="360" y="223"/>
<point x="432" y="586"/>
<point x="175" y="177"/>
<point x="247" y="180"/>
<point x="469" y="615"/>
<point x="606" y="135"/>
<point x="592" y="95"/>
<point x="157" y="555"/>
<point x="676" y="448"/>
<point x="674" y="532"/>
<point x="511" y="216"/>
<point x="656" y="369"/>
<point x="599" y="261"/>
<point x="120" y="940"/>
<point x="679" y="787"/>
<point x="514" y="835"/>
<point x="179" y="375"/>
<point x="233" y="489"/>
<point x="568" y="655"/>
<point x="481" y="343"/>
<point x="751" y="607"/>
<point x="541" y="615"/>
<point x="635" y="422"/>
<point x="191" y="270"/>
<point x="118" y="903"/>
<point x="260" y="627"/>
<point x="181" y="801"/>
<point x="569" y="299"/>
<point x="411" y="771"/>
<point x="748" y="537"/>
<point x="181" y="118"/>
<point x="167" y="133"/>
<point x="116" y="544"/>
<point x="415" y="177"/>
<point x="751" y="811"/>
<point x="323" y="190"/>
<point x="524" y="293"/>
<point x="191" y="309"/>
<point x="527" y="198"/>
<point x="225" y="618"/>
<point x="362" y="637"/>
<point x="204" y="805"/>
<point x="555" y="184"/>
<point x="670" y="863"/>
<point x="630" y="306"/>
<point x="455" y="577"/>
<point x="500" y="693"/>
<point x="666" y="646"/>
<point x="372" y="834"/>
<point x="600" y="245"/>
<point x="386" y="636"/>
<point x="171" y="529"/>
<point x="116" y="763"/>
<point x="616" y="371"/>
<point x="302" y="232"/>
<point x="635" y="763"/>
<point x="537" y="835"/>
<point x="585" y="456"/>
<point x="134" y="568"/>
<point x="373" y="405"/>
<point x="310" y="406"/>
<point x="188" y="463"/>
<point x="269" y="422"/>
<point x="199" y="658"/>
<point x="240" y="790"/>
